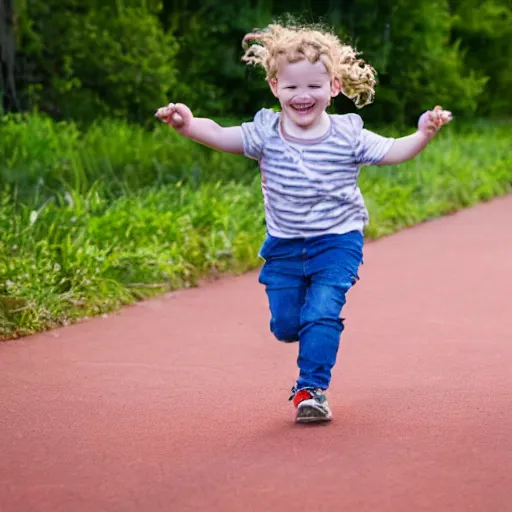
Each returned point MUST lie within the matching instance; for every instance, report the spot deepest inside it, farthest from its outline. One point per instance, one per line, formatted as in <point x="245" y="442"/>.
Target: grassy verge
<point x="92" y="221"/>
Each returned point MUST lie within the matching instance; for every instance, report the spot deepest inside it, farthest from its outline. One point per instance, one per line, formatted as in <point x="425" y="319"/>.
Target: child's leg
<point x="331" y="264"/>
<point x="285" y="284"/>
<point x="285" y="308"/>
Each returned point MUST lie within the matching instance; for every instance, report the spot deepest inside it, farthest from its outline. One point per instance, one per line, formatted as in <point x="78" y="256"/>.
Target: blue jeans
<point x="306" y="281"/>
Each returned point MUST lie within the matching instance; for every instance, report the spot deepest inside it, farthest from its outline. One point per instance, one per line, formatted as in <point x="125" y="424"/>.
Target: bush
<point x="88" y="62"/>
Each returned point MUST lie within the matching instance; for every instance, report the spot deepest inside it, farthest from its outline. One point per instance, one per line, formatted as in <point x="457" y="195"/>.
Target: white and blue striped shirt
<point x="310" y="186"/>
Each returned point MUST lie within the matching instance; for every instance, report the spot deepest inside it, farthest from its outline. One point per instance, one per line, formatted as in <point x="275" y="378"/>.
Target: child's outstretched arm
<point x="405" y="148"/>
<point x="202" y="130"/>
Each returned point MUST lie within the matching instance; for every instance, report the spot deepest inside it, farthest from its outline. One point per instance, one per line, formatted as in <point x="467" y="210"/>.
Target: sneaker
<point x="311" y="405"/>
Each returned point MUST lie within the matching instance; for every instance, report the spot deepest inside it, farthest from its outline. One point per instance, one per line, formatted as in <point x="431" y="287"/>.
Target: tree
<point x="122" y="58"/>
<point x="84" y="61"/>
<point x="483" y="30"/>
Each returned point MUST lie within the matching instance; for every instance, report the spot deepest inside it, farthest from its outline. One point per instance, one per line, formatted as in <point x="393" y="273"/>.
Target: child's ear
<point x="273" y="86"/>
<point x="335" y="88"/>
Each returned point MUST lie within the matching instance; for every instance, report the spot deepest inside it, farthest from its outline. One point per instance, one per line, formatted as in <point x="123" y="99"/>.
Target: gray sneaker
<point x="311" y="405"/>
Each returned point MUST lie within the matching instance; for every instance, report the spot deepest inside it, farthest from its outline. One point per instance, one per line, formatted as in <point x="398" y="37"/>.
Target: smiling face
<point x="304" y="91"/>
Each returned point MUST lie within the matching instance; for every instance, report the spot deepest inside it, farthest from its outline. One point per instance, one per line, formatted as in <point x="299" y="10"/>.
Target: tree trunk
<point x="7" y="56"/>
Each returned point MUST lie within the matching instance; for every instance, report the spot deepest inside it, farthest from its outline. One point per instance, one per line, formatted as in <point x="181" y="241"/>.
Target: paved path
<point x="180" y="404"/>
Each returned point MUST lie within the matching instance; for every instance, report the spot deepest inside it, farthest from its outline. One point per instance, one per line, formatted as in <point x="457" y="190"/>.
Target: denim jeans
<point x="306" y="280"/>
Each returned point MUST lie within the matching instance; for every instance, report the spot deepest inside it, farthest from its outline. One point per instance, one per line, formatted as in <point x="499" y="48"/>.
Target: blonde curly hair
<point x="267" y="46"/>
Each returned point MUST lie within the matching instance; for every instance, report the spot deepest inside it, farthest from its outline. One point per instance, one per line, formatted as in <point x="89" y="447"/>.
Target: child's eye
<point x="315" y="86"/>
<point x="290" y="87"/>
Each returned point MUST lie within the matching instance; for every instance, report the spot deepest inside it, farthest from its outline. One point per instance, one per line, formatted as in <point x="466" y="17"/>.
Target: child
<point x="314" y="210"/>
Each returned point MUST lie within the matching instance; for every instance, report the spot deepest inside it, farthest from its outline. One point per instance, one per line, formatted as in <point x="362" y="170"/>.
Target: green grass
<point x="454" y="172"/>
<point x="92" y="221"/>
<point x="41" y="157"/>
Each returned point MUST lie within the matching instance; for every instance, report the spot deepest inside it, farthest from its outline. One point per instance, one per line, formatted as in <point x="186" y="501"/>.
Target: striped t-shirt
<point x="310" y="186"/>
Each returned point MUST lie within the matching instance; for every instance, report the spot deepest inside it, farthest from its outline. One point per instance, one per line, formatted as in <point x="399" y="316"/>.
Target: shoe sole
<point x="309" y="414"/>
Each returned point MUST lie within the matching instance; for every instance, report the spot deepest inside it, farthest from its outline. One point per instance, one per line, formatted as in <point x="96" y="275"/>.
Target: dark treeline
<point x="85" y="59"/>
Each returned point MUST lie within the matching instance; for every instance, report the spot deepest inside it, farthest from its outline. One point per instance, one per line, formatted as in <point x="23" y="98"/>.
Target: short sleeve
<point x="370" y="148"/>
<point x="256" y="132"/>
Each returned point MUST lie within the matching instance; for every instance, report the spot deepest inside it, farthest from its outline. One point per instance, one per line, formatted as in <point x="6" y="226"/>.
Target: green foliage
<point x="419" y="62"/>
<point x="93" y="233"/>
<point x="95" y="62"/>
<point x="484" y="30"/>
<point x="126" y="58"/>
<point x="421" y="69"/>
<point x="42" y="157"/>
<point x="78" y="255"/>
<point x="457" y="171"/>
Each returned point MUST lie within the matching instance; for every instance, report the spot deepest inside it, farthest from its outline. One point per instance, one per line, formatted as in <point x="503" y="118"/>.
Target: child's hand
<point x="431" y="121"/>
<point x="176" y="115"/>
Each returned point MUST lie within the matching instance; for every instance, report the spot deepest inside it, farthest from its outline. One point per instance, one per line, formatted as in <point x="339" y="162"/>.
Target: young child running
<point x="309" y="162"/>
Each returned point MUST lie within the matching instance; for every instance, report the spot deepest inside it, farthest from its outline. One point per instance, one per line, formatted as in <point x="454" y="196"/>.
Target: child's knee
<point x="286" y="330"/>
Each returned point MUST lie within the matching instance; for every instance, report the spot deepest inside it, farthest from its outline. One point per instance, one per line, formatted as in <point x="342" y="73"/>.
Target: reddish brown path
<point x="180" y="404"/>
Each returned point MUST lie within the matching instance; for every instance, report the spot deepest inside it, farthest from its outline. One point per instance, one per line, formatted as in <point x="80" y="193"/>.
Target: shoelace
<point x="294" y="392"/>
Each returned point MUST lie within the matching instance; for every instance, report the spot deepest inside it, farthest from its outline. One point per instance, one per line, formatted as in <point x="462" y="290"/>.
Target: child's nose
<point x="304" y="95"/>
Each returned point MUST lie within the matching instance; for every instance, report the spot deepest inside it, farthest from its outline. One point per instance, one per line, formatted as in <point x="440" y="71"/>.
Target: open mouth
<point x="303" y="108"/>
